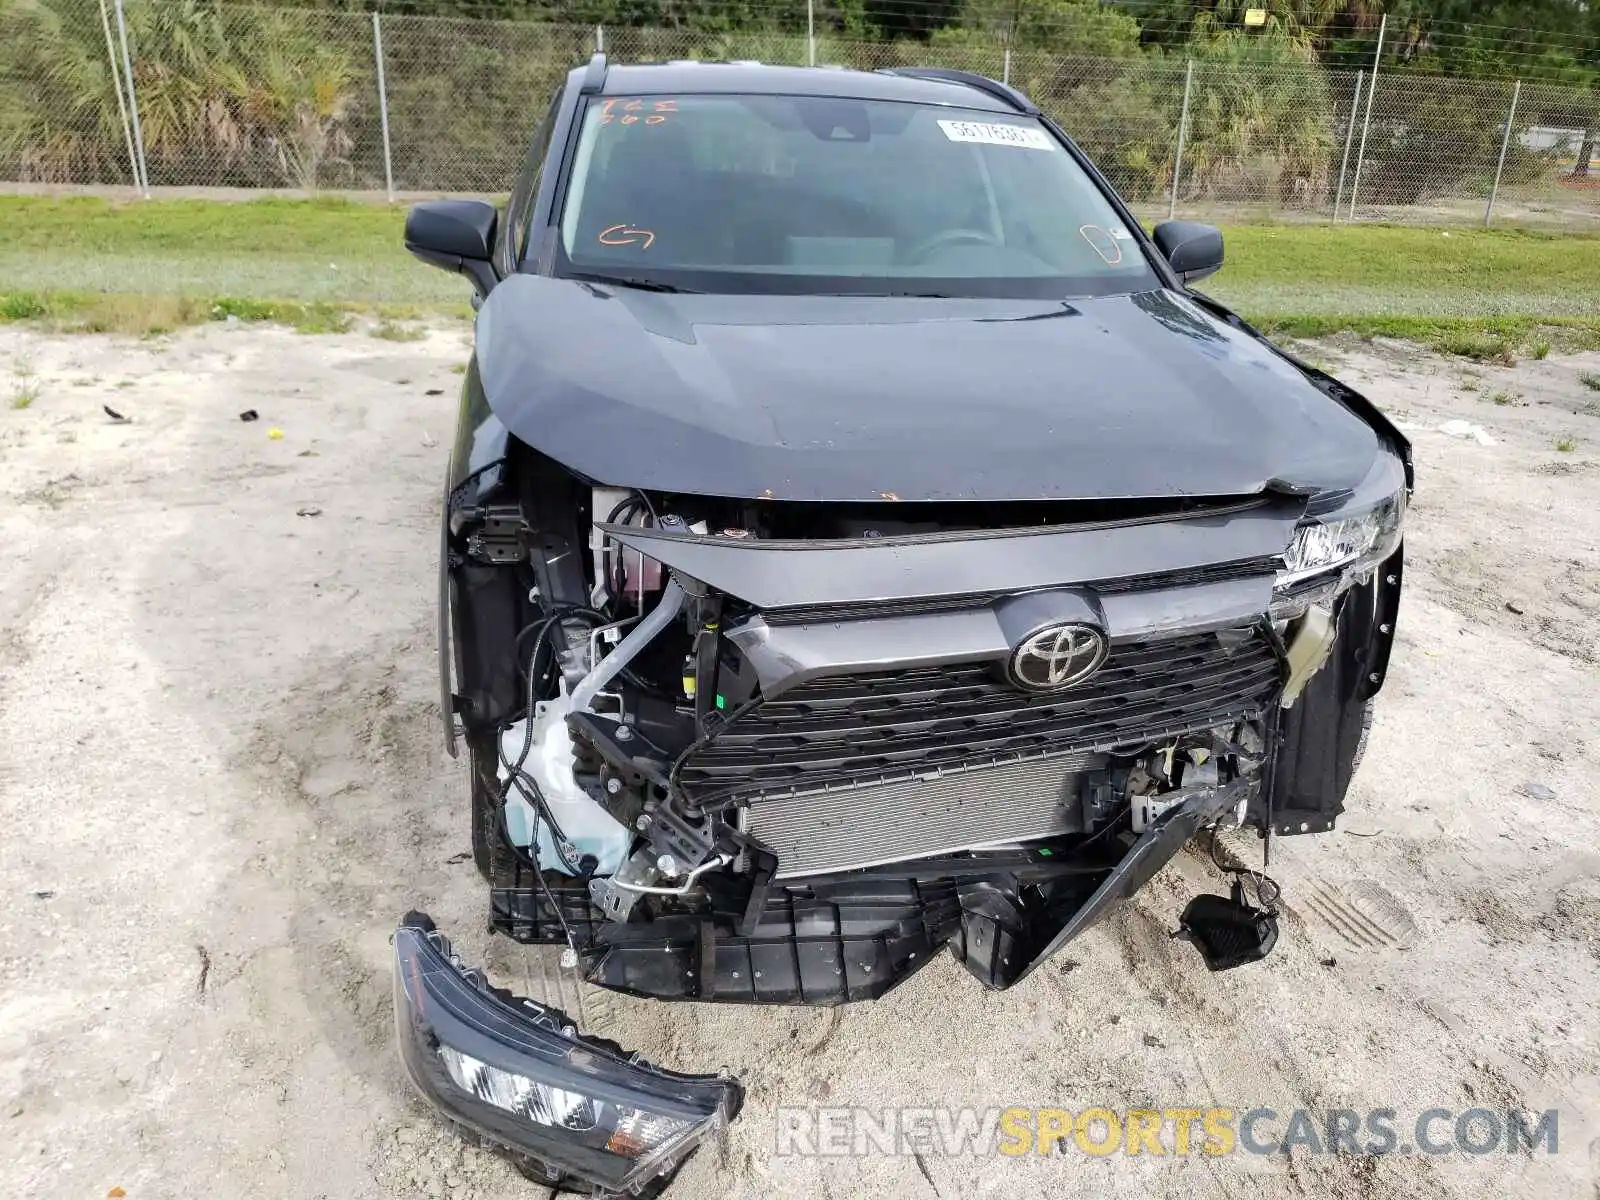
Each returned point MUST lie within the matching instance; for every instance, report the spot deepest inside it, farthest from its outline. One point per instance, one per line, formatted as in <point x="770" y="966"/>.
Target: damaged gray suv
<point x="859" y="540"/>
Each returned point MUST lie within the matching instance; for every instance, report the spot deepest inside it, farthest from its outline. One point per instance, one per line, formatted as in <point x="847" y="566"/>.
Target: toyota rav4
<point x="859" y="540"/>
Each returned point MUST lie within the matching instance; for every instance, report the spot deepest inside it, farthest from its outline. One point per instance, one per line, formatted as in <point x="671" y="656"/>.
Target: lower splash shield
<point x="856" y="935"/>
<point x="583" y="1110"/>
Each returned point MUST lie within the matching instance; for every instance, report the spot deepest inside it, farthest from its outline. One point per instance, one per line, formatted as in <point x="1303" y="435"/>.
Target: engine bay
<point x="617" y="674"/>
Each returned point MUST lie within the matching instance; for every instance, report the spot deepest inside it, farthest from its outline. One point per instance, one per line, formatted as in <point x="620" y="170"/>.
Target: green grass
<point x="24" y="385"/>
<point x="1566" y="445"/>
<point x="147" y="266"/>
<point x="1389" y="270"/>
<point x="309" y="251"/>
<point x="389" y="331"/>
<point x="1493" y="340"/>
<point x="1591" y="380"/>
<point x="143" y="315"/>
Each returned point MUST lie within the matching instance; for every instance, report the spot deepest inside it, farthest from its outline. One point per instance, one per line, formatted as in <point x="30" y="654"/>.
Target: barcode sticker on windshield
<point x="997" y="135"/>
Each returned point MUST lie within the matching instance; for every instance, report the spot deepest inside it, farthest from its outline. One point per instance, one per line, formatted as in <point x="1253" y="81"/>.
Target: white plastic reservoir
<point x="586" y="827"/>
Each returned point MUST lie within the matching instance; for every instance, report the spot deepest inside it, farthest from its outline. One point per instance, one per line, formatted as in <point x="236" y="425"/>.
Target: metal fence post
<point x="1005" y="71"/>
<point x="599" y="39"/>
<point x="1349" y="136"/>
<point x="1505" y="144"/>
<point x="143" y="171"/>
<point x="811" y="35"/>
<point x="383" y="106"/>
<point x="1366" y="124"/>
<point x="1183" y="129"/>
<point x="122" y="100"/>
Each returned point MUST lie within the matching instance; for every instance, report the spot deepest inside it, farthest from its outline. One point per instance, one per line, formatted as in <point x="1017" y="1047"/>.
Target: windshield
<point x="823" y="195"/>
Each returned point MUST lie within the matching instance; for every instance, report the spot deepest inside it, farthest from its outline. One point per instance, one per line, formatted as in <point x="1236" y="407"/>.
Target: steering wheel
<point x="928" y="247"/>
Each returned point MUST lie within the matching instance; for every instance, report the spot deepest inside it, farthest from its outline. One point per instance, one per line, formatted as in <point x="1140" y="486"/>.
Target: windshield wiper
<point x="633" y="281"/>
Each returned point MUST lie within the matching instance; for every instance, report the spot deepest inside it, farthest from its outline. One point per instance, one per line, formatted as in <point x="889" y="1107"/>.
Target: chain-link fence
<point x="165" y="93"/>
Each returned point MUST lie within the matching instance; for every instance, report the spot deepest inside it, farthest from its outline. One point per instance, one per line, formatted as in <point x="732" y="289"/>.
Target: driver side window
<point x="515" y="230"/>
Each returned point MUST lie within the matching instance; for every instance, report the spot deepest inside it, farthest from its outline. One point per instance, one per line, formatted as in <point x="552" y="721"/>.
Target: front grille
<point x="852" y="770"/>
<point x="883" y="725"/>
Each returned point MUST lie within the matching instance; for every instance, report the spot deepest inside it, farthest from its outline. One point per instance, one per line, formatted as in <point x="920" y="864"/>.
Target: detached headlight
<point x="520" y="1074"/>
<point x="1343" y="544"/>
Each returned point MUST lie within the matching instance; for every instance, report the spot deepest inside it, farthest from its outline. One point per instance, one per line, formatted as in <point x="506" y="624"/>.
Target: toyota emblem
<point x="1057" y="657"/>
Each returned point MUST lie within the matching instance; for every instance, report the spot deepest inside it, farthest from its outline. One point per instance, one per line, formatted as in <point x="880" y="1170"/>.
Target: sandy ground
<point x="221" y="782"/>
<point x="1551" y="203"/>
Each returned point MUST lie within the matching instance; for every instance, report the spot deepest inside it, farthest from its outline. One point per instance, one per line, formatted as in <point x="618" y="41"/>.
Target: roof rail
<point x="983" y="83"/>
<point x="594" y="77"/>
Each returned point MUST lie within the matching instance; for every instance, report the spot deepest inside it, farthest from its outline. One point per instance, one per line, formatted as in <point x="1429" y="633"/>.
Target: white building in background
<point x="1544" y="139"/>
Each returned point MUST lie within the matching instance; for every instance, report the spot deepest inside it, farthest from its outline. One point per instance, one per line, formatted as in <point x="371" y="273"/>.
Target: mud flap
<point x="1321" y="736"/>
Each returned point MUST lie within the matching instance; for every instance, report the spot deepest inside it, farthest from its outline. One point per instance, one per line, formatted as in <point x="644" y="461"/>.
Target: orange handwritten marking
<point x="630" y="110"/>
<point x="626" y="235"/>
<point x="1100" y="241"/>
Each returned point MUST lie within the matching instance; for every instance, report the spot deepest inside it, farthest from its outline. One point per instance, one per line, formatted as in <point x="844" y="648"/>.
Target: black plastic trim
<point x="1375" y="665"/>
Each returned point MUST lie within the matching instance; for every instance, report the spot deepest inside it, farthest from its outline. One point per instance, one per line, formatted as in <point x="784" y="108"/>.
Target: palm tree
<point x="1261" y="123"/>
<point x="58" y="111"/>
<point x="231" y="95"/>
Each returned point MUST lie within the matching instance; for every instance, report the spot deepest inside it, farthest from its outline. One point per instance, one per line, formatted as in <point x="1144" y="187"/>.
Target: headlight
<point x="1346" y="544"/>
<point x="520" y="1074"/>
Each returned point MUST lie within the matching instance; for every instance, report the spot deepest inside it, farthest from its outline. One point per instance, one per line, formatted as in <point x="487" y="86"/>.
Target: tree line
<point x="237" y="94"/>
<point x="1555" y="40"/>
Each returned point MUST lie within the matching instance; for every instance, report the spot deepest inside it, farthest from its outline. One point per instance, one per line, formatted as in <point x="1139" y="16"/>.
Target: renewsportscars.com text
<point x="1180" y="1130"/>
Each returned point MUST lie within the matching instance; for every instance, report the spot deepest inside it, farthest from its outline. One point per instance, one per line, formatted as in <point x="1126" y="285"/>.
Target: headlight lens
<point x="522" y="1075"/>
<point x="513" y="1093"/>
<point x="1349" y="544"/>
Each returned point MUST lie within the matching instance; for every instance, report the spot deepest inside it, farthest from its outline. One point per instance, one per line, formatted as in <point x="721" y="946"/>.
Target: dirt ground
<point x="221" y="783"/>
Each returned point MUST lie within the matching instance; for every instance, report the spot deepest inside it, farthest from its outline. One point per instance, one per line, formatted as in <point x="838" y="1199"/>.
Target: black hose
<point x="561" y="613"/>
<point x="625" y="509"/>
<point x="514" y="771"/>
<point x="627" y="673"/>
<point x="630" y="503"/>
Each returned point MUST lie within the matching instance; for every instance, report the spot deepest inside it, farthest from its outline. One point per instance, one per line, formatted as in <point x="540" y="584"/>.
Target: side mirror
<point x="1194" y="250"/>
<point x="457" y="235"/>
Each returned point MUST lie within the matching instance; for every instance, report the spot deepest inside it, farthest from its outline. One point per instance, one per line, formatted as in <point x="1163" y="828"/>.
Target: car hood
<point x="870" y="398"/>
